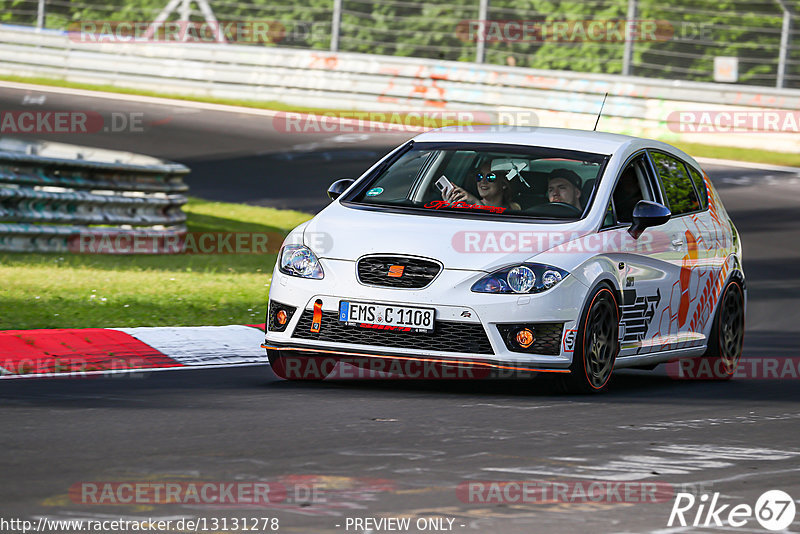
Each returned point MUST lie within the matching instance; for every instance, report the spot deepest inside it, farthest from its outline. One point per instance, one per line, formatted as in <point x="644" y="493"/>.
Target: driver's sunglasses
<point x="491" y="177"/>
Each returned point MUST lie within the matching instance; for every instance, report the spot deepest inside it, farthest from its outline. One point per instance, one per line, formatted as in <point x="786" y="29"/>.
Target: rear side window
<point x="678" y="186"/>
<point x="700" y="185"/>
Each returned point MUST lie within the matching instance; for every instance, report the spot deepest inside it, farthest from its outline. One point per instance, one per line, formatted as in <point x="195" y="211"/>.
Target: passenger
<point x="493" y="187"/>
<point x="564" y="185"/>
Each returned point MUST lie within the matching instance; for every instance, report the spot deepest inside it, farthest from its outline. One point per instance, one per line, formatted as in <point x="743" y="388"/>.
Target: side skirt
<point x="657" y="357"/>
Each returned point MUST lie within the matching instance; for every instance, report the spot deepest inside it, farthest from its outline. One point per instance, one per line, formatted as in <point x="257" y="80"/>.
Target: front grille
<point x="547" y="337"/>
<point x="416" y="272"/>
<point x="447" y="336"/>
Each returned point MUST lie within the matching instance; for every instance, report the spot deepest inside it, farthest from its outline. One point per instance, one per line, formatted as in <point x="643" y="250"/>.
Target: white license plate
<point x="387" y="317"/>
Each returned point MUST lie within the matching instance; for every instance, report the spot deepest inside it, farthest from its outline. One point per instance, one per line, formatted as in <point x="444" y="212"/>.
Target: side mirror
<point x="338" y="187"/>
<point x="647" y="214"/>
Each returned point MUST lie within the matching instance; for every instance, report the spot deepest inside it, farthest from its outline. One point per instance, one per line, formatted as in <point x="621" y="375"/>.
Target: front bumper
<point x="394" y="364"/>
<point x="466" y="332"/>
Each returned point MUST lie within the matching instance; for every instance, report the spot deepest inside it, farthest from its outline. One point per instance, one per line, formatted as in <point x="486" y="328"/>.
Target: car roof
<point x="564" y="138"/>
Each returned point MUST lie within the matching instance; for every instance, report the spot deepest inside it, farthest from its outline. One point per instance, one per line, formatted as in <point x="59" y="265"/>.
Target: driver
<point x="564" y="185"/>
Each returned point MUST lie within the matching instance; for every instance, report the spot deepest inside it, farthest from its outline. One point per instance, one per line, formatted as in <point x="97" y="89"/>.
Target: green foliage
<point x="690" y="32"/>
<point x="18" y="11"/>
<point x="406" y="28"/>
<point x="708" y="28"/>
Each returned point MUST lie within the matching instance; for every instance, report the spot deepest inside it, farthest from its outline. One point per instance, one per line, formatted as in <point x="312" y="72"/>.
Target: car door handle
<point x="677" y="243"/>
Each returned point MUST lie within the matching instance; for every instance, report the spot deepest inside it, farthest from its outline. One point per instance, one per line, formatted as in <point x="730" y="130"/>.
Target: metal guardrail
<point x="48" y="203"/>
<point x="757" y="37"/>
<point x="638" y="106"/>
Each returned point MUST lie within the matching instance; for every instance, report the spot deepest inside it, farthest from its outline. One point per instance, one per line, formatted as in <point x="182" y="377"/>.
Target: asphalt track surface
<point x="401" y="448"/>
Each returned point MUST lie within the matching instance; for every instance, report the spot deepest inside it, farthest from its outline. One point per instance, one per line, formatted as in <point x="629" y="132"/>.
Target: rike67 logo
<point x="774" y="510"/>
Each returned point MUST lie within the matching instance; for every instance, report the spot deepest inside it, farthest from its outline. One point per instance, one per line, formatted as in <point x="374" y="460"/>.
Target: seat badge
<point x="396" y="271"/>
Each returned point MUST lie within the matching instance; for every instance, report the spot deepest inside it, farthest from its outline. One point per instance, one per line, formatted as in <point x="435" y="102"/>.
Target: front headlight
<point x="298" y="260"/>
<point x="525" y="278"/>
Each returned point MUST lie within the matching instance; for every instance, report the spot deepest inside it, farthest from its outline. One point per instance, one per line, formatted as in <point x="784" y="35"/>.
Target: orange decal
<point x="316" y="322"/>
<point x="689" y="263"/>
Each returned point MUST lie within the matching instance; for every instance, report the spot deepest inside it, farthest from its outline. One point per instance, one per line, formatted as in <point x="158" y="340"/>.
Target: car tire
<point x="596" y="345"/>
<point x="306" y="368"/>
<point x="727" y="333"/>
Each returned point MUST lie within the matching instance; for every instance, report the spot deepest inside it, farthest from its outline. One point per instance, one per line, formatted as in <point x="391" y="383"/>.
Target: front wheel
<point x="597" y="344"/>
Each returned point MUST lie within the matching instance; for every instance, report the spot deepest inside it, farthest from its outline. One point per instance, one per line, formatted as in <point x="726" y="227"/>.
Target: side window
<point x="678" y="186"/>
<point x="630" y="189"/>
<point x="396" y="182"/>
<point x="459" y="169"/>
<point x="700" y="185"/>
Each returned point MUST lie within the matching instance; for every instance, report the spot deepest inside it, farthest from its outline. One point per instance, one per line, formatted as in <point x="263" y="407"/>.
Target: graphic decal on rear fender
<point x="703" y="271"/>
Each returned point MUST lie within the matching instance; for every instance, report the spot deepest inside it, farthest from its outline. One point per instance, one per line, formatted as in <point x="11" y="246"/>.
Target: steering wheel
<point x="556" y="208"/>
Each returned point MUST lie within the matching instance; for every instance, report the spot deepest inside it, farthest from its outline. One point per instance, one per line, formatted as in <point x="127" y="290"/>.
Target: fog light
<point x="524" y="338"/>
<point x="278" y="316"/>
<point x="281" y="317"/>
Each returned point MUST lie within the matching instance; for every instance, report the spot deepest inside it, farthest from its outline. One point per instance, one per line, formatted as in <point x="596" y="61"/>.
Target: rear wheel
<point x="597" y="344"/>
<point x="727" y="335"/>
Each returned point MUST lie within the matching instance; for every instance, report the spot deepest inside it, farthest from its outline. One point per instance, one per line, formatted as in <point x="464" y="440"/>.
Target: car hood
<point x="345" y="233"/>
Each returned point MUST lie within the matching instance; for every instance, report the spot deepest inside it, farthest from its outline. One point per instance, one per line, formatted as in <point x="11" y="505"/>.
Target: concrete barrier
<point x="49" y="199"/>
<point x="670" y="110"/>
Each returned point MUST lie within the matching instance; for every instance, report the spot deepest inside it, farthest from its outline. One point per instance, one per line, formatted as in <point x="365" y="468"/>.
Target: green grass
<point x="694" y="149"/>
<point x="753" y="155"/>
<point x="89" y="290"/>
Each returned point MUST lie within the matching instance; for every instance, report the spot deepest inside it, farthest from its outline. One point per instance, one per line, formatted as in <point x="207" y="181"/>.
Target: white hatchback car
<point x="532" y="250"/>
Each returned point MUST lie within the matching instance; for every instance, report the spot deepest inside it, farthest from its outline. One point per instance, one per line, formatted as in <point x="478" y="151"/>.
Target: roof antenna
<point x="600" y="113"/>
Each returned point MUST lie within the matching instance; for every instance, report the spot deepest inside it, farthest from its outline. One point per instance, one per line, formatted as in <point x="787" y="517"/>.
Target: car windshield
<point x="492" y="180"/>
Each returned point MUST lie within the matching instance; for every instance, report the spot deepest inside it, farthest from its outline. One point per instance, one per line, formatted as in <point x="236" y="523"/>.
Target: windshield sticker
<point x="439" y="204"/>
<point x="375" y="191"/>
